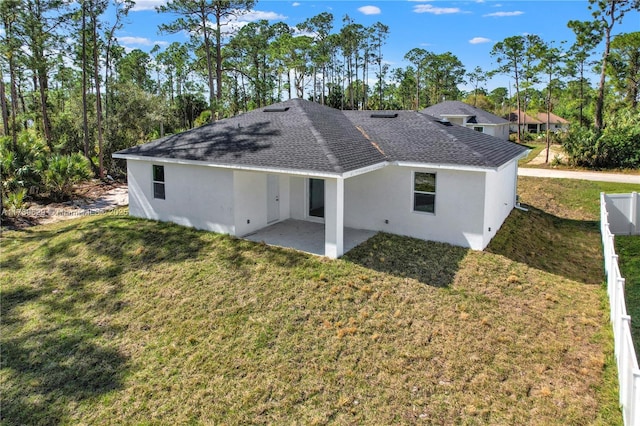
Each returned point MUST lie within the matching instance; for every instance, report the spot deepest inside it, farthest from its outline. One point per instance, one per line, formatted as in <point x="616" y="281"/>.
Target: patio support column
<point x="334" y="217"/>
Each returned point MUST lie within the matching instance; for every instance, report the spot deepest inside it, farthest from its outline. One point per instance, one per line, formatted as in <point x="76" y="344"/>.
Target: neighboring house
<point x="401" y="172"/>
<point x="527" y="123"/>
<point x="556" y="124"/>
<point x="537" y="124"/>
<point x="469" y="116"/>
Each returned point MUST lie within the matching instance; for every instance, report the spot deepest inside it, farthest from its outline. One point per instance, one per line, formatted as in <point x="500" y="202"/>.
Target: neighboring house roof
<point x="524" y="118"/>
<point x="542" y="116"/>
<point x="457" y="109"/>
<point x="304" y="135"/>
<point x="416" y="137"/>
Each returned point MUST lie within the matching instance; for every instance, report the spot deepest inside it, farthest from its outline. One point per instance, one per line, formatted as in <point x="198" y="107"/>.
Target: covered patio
<point x="306" y="236"/>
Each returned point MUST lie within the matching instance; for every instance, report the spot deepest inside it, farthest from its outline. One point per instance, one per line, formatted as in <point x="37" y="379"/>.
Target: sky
<point x="468" y="29"/>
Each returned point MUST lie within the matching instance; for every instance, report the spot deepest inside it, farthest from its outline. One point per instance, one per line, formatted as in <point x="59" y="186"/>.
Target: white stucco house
<point x="537" y="122"/>
<point x="469" y="116"/>
<point x="402" y="172"/>
<point x="556" y="123"/>
<point x="528" y="123"/>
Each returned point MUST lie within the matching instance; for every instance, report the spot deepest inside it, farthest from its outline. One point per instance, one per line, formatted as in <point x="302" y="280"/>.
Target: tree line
<point x="69" y="86"/>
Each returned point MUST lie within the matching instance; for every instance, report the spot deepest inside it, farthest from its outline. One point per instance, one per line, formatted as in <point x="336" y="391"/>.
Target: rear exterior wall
<point x="386" y="195"/>
<point x="195" y="196"/>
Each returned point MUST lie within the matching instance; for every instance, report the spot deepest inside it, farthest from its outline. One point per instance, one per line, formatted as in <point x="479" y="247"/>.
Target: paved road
<point x="562" y="174"/>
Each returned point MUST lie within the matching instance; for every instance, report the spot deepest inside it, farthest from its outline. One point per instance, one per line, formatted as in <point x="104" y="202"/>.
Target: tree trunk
<point x="518" y="99"/>
<point x="315" y="85"/>
<point x="350" y="81"/>
<point x="207" y="49"/>
<point x="324" y="76"/>
<point x="46" y="122"/>
<point x="218" y="59"/>
<point x="380" y="75"/>
<point x="13" y="88"/>
<point x="85" y="124"/>
<point x="107" y="59"/>
<point x="418" y="87"/>
<point x="23" y="103"/>
<point x="364" y="81"/>
<point x="98" y="98"/>
<point x="598" y="120"/>
<point x="259" y="84"/>
<point x="3" y="107"/>
<point x="548" y="119"/>
<point x="581" y="92"/>
<point x="14" y="103"/>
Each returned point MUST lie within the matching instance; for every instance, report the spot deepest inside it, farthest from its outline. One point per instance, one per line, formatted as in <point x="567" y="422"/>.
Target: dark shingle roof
<point x="449" y="108"/>
<point x="310" y="136"/>
<point x="307" y="136"/>
<point x="421" y="138"/>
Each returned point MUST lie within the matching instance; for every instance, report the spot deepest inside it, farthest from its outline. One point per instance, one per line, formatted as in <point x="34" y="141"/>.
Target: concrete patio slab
<point x="305" y="236"/>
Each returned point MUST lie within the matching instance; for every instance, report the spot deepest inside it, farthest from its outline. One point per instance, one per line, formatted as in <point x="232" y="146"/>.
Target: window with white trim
<point x="424" y="192"/>
<point x="478" y="129"/>
<point x="158" y="182"/>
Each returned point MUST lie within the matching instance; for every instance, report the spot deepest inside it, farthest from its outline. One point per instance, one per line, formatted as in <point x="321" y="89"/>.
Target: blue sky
<point x="468" y="29"/>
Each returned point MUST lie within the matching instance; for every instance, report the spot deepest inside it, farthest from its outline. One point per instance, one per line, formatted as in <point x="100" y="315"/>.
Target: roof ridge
<point x="333" y="160"/>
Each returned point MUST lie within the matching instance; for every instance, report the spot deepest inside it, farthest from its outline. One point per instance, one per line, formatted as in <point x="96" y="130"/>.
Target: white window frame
<point x="155" y="182"/>
<point x="481" y="129"/>
<point x="414" y="192"/>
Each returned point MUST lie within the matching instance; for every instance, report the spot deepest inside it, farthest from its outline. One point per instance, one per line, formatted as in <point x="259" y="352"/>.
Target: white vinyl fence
<point x="619" y="214"/>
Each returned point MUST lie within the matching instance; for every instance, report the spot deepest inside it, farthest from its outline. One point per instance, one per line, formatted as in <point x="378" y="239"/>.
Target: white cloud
<point x="147" y="5"/>
<point x="295" y="4"/>
<point x="429" y="8"/>
<point x="479" y="40"/>
<point x="129" y="41"/>
<point x="369" y="10"/>
<point x="256" y="15"/>
<point x="234" y="23"/>
<point x="297" y="32"/>
<point x="502" y="14"/>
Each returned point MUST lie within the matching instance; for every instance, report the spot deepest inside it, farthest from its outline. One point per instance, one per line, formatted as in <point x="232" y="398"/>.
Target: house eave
<point x="273" y="170"/>
<point x="364" y="170"/>
<point x="445" y="166"/>
<point x="319" y="174"/>
<point x="488" y="124"/>
<point x="456" y="115"/>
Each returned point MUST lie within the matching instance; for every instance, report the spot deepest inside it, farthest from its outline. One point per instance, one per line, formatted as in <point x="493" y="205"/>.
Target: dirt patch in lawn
<point x="555" y="152"/>
<point x="91" y="198"/>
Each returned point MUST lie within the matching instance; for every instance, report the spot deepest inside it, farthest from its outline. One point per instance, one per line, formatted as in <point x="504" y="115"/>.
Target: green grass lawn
<point x="628" y="250"/>
<point x="109" y="320"/>
<point x="535" y="149"/>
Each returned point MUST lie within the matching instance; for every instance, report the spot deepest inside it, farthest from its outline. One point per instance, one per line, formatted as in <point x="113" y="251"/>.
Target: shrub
<point x="527" y="137"/>
<point x="557" y="161"/>
<point x="618" y="145"/>
<point x="63" y="171"/>
<point x="21" y="165"/>
<point x="203" y="118"/>
<point x="14" y="200"/>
